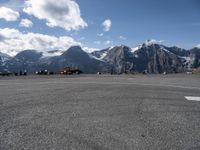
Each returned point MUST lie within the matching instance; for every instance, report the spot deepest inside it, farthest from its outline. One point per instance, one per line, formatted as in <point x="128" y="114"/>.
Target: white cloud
<point x="13" y="41"/>
<point x="153" y="41"/>
<point x="8" y="14"/>
<point x="122" y="37"/>
<point x="107" y="42"/>
<point x="100" y="34"/>
<point x="107" y="25"/>
<point x="26" y="23"/>
<point x="90" y="50"/>
<point x="61" y="13"/>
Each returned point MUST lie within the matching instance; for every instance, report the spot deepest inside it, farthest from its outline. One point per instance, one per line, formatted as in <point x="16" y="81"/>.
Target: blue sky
<point x="175" y="22"/>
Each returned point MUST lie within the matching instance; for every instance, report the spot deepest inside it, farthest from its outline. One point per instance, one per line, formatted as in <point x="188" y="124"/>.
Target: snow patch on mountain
<point x="187" y="59"/>
<point x="198" y="46"/>
<point x="3" y="55"/>
<point x="136" y="48"/>
<point x="164" y="49"/>
<point x="102" y="55"/>
<point x="93" y="57"/>
<point x="136" y="56"/>
<point x="4" y="58"/>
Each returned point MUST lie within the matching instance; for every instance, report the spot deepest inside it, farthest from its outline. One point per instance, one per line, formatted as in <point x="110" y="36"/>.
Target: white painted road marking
<point x="192" y="98"/>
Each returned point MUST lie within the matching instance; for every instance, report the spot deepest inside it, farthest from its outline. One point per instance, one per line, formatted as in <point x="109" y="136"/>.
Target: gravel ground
<point x="100" y="112"/>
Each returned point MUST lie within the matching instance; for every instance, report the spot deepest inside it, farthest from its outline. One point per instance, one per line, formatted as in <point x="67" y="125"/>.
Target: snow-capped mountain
<point x="151" y="56"/>
<point x="120" y="58"/>
<point x="156" y="58"/>
<point x="3" y="60"/>
<point x="78" y="58"/>
<point x="136" y="48"/>
<point x="32" y="61"/>
<point x="101" y="54"/>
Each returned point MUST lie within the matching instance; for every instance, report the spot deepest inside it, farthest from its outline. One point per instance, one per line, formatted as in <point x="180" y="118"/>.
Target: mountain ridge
<point x="151" y="57"/>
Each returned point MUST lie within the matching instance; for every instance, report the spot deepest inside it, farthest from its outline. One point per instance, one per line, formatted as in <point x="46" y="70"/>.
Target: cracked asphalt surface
<point x="93" y="112"/>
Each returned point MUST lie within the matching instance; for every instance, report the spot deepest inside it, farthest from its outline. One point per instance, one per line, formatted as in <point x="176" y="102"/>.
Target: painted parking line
<point x="192" y="98"/>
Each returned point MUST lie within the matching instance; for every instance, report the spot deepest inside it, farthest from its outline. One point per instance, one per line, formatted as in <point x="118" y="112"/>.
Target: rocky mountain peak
<point x="28" y="55"/>
<point x="151" y="56"/>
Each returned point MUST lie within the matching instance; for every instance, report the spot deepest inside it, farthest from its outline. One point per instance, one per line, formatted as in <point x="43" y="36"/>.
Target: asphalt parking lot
<point x="100" y="112"/>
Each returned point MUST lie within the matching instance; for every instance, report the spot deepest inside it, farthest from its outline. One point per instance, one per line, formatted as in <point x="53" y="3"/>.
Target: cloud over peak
<point x="8" y="14"/>
<point x="63" y="13"/>
<point x="13" y="41"/>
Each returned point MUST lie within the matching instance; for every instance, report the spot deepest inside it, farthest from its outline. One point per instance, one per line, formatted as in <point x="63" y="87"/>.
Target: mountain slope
<point x="156" y="58"/>
<point x="194" y="54"/>
<point x="150" y="57"/>
<point x="100" y="54"/>
<point x="25" y="60"/>
<point x="3" y="61"/>
<point x="76" y="57"/>
<point x="121" y="59"/>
